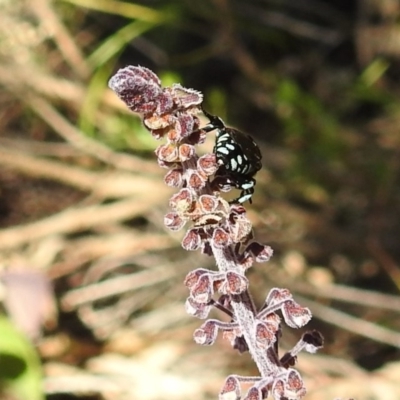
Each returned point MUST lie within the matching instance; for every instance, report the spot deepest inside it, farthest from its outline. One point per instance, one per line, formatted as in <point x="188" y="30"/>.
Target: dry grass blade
<point x="115" y="286"/>
<point x="133" y="11"/>
<point x="352" y="295"/>
<point x="353" y="324"/>
<point x="64" y="40"/>
<point x="76" y="220"/>
<point x="72" y="135"/>
<point x="102" y="185"/>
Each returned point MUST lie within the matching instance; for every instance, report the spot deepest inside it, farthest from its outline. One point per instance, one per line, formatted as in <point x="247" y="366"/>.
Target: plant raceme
<point x="222" y="230"/>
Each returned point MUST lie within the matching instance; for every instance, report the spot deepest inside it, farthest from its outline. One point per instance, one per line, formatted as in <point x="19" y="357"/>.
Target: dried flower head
<point x="219" y="229"/>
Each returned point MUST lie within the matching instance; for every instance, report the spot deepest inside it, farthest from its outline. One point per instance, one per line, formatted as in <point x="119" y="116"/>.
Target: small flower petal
<point x="174" y="178"/>
<point x="137" y="87"/>
<point x="208" y="203"/>
<point x="277" y="296"/>
<point x="262" y="253"/>
<point x="240" y="230"/>
<point x="167" y="152"/>
<point x="295" y="315"/>
<point x="193" y="276"/>
<point x="173" y="221"/>
<point x="231" y="389"/>
<point x="185" y="125"/>
<point x="184" y="97"/>
<point x="164" y="103"/>
<point x="195" y="180"/>
<point x="203" y="291"/>
<point x="221" y="238"/>
<point x="155" y="122"/>
<point x="207" y="163"/>
<point x="206" y="334"/>
<point x="294" y="385"/>
<point x="192" y="240"/>
<point x="182" y="202"/>
<point x="186" y="152"/>
<point x="234" y="283"/>
<point x="265" y="336"/>
<point x="199" y="310"/>
<point x="254" y="393"/>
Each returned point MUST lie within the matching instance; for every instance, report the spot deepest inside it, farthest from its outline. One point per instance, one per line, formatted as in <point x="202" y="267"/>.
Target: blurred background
<point x="91" y="281"/>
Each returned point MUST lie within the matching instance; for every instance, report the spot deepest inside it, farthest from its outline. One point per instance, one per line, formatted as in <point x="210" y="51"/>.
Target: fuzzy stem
<point x="244" y="312"/>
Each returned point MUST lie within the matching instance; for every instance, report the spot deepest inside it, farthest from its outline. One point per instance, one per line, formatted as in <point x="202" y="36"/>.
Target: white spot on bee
<point x="233" y="165"/>
<point x="239" y="159"/>
<point x="242" y="199"/>
<point x="230" y="146"/>
<point x="248" y="185"/>
<point x="223" y="150"/>
<point x="222" y="138"/>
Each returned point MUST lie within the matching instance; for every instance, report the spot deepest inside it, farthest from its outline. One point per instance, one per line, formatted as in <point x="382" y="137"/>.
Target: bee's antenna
<point x="215" y="122"/>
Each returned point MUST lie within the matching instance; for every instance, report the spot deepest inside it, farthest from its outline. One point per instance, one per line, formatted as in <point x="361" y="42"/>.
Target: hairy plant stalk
<point x="223" y="231"/>
<point x="244" y="310"/>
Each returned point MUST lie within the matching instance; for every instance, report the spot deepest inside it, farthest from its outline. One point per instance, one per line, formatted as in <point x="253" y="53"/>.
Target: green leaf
<point x="20" y="371"/>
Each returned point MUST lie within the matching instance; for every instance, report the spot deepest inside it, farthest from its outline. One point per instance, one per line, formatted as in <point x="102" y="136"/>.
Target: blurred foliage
<point x="309" y="130"/>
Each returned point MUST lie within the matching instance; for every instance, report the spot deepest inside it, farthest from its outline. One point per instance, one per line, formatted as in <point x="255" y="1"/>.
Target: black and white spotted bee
<point x="238" y="157"/>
